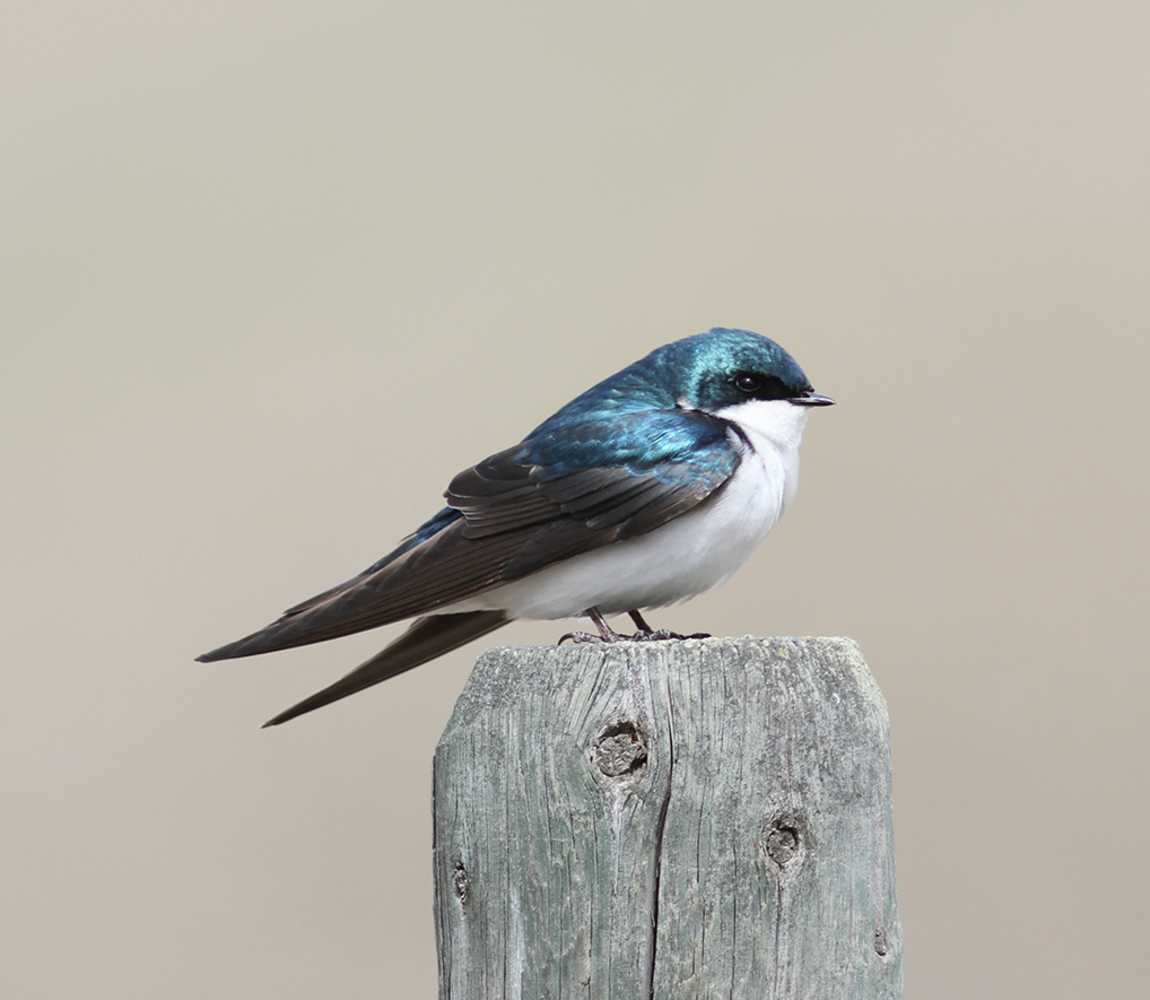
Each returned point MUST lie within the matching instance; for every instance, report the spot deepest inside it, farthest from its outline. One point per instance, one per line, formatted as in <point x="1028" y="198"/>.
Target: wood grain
<point x="667" y="820"/>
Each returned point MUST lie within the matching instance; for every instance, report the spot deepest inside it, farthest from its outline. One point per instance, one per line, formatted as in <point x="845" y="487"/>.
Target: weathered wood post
<point x="669" y="820"/>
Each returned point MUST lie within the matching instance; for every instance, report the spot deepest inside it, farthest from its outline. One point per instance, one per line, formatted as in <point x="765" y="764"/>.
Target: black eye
<point x="761" y="386"/>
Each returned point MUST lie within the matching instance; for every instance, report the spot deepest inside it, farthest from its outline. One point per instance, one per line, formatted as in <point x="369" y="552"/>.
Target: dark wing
<point x="565" y="491"/>
<point x="425" y="639"/>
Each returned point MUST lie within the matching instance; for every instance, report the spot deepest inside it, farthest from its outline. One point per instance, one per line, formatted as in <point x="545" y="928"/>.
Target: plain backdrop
<point x="274" y="271"/>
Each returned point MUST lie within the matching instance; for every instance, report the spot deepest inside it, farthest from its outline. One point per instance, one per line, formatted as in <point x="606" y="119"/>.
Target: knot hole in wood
<point x="620" y="749"/>
<point x="461" y="882"/>
<point x="785" y="842"/>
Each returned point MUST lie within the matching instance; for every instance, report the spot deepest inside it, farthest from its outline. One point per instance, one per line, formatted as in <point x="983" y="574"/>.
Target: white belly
<point x="672" y="563"/>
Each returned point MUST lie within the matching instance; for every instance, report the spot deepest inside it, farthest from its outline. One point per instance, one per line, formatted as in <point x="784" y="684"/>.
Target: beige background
<point x="274" y="271"/>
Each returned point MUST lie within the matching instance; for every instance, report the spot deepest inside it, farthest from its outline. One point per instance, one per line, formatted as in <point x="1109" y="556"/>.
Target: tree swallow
<point x="649" y="488"/>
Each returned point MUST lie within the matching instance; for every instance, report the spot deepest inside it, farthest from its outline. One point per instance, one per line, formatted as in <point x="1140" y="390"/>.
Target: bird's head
<point x="733" y="374"/>
<point x="741" y="376"/>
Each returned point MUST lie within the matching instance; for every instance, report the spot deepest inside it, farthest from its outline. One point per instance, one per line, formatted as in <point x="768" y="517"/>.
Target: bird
<point x="650" y="488"/>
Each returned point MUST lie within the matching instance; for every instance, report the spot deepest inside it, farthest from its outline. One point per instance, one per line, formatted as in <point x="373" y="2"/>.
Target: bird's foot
<point x="648" y="634"/>
<point x="606" y="633"/>
<point x="661" y="634"/>
<point x="579" y="637"/>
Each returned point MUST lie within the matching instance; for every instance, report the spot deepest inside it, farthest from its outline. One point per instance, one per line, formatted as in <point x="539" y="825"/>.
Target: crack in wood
<point x="660" y="833"/>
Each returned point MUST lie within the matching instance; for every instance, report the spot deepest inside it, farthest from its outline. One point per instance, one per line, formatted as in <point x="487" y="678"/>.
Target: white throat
<point x="769" y="421"/>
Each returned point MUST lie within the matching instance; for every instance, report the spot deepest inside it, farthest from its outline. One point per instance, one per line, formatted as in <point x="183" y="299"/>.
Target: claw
<point x="578" y="637"/>
<point x="608" y="634"/>
<point x="648" y="634"/>
<point x="662" y="634"/>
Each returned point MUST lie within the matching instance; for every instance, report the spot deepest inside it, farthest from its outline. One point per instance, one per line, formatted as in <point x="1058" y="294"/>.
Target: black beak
<point x="812" y="398"/>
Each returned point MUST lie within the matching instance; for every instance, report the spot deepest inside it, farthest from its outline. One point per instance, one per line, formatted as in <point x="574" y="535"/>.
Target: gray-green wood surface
<point x="667" y="820"/>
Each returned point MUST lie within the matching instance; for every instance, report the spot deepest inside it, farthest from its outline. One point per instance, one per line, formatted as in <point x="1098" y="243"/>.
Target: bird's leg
<point x="640" y="622"/>
<point x="648" y="634"/>
<point x="606" y="633"/>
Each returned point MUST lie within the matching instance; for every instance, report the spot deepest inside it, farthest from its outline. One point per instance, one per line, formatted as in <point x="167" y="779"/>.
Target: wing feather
<point x="571" y="490"/>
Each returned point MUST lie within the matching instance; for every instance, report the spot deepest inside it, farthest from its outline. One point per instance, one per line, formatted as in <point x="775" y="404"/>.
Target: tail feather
<point x="424" y="640"/>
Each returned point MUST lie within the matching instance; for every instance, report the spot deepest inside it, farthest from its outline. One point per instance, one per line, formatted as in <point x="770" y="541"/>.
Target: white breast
<point x="686" y="556"/>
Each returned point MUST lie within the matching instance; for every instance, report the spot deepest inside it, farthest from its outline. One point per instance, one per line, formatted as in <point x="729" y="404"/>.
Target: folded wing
<point x="564" y="491"/>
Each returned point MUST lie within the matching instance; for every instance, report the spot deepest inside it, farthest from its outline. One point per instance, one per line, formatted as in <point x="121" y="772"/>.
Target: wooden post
<point x="667" y="820"/>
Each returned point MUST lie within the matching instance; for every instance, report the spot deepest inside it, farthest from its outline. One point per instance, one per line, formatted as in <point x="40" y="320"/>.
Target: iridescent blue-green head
<point x="735" y="374"/>
<point x="724" y="368"/>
